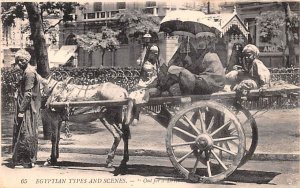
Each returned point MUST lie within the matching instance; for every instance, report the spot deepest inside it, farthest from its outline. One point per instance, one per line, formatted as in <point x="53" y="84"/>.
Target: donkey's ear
<point x="49" y="78"/>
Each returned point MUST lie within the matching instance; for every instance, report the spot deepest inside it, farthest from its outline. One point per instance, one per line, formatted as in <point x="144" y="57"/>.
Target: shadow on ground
<point x="85" y="128"/>
<point x="239" y="176"/>
<point x="242" y="176"/>
<point x="250" y="176"/>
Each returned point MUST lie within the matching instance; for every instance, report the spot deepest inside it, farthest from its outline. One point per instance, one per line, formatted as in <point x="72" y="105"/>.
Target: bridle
<point x="51" y="89"/>
<point x="55" y="84"/>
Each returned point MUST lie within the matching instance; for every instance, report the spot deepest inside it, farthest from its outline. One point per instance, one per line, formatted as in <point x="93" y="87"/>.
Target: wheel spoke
<point x="202" y="123"/>
<point x="219" y="160"/>
<point x="223" y="149"/>
<point x="208" y="168"/>
<point x="185" y="156"/>
<point x="195" y="166"/>
<point x="184" y="132"/>
<point x="233" y="130"/>
<point x="192" y="125"/>
<point x="225" y="139"/>
<point x="183" y="144"/>
<point x="220" y="151"/>
<point x="227" y="146"/>
<point x="211" y="124"/>
<point x="195" y="117"/>
<point x="205" y="151"/>
<point x="220" y="128"/>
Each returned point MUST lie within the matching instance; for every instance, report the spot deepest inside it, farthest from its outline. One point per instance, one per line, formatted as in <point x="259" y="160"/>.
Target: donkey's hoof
<point x="50" y="162"/>
<point x="109" y="165"/>
<point x="123" y="166"/>
<point x="109" y="162"/>
<point x="134" y="122"/>
<point x="47" y="163"/>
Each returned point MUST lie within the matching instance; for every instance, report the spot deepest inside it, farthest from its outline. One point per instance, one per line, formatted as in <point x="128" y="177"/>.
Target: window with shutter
<point x="97" y="6"/>
<point x="150" y="3"/>
<point x="121" y="5"/>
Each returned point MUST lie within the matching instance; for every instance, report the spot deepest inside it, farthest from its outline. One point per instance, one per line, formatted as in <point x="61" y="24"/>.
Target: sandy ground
<point x="278" y="133"/>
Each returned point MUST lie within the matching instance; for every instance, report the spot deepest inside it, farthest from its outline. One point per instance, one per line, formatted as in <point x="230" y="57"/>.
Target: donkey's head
<point x="47" y="85"/>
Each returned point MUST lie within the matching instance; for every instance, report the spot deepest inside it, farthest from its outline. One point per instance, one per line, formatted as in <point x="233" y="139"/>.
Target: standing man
<point x="28" y="98"/>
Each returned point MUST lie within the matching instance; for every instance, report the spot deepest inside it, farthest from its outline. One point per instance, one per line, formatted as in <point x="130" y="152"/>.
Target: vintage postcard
<point x="156" y="93"/>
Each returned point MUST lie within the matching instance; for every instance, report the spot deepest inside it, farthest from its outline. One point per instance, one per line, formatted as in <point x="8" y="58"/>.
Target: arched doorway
<point x="71" y="40"/>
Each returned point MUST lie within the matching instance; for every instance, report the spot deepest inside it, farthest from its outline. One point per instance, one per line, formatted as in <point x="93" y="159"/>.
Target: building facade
<point x="18" y="36"/>
<point x="98" y="14"/>
<point x="274" y="51"/>
<point x="238" y="22"/>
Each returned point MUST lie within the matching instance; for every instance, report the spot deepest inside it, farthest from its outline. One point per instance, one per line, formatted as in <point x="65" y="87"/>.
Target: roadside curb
<point x="154" y="152"/>
<point x="163" y="153"/>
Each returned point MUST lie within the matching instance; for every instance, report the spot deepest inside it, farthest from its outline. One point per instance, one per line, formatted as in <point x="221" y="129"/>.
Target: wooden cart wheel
<point x="251" y="132"/>
<point x="205" y="142"/>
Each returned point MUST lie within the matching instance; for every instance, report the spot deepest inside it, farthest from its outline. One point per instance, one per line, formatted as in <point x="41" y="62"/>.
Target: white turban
<point x="154" y="48"/>
<point x="250" y="48"/>
<point x="23" y="54"/>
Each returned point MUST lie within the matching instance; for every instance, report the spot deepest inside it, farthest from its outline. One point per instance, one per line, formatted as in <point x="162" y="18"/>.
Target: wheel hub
<point x="204" y="142"/>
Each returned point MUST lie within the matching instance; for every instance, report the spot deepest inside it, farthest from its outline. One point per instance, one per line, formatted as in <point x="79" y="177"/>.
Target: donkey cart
<point x="208" y="136"/>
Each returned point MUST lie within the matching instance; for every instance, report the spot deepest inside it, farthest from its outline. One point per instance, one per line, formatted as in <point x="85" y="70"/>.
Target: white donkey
<point x="111" y="117"/>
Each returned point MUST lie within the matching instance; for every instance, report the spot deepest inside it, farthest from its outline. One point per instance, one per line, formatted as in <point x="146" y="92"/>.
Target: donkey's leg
<point x="130" y="114"/>
<point x="52" y="119"/>
<point x="126" y="136"/>
<point x="116" y="132"/>
<point x="55" y="140"/>
<point x="55" y="122"/>
<point x="58" y="139"/>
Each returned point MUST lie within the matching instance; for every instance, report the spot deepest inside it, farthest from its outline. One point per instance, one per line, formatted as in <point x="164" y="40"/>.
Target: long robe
<point x="25" y="132"/>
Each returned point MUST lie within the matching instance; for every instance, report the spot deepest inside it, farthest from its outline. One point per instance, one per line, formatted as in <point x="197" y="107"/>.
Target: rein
<point x="46" y="97"/>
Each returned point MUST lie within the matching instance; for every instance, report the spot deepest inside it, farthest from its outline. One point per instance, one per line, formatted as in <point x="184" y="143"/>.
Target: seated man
<point x="252" y="75"/>
<point x="201" y="72"/>
<point x="148" y="76"/>
<point x="149" y="68"/>
<point x="147" y="85"/>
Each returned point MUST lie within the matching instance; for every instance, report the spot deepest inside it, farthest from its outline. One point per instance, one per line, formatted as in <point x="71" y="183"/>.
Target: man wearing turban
<point x="253" y="74"/>
<point x="25" y="134"/>
<point x="195" y="68"/>
<point x="149" y="69"/>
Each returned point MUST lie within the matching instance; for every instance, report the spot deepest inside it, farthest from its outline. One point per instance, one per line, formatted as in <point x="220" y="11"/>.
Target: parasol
<point x="189" y="23"/>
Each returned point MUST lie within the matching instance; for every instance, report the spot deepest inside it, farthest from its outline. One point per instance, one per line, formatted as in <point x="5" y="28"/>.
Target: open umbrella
<point x="189" y="23"/>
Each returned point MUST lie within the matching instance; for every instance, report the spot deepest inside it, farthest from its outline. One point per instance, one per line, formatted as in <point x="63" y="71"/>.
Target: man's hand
<point x="20" y="118"/>
<point x="237" y="67"/>
<point x="263" y="88"/>
<point x="175" y="70"/>
<point x="20" y="115"/>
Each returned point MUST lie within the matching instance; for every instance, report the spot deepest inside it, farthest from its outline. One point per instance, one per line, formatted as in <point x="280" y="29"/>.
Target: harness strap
<point x="80" y="90"/>
<point x="51" y="96"/>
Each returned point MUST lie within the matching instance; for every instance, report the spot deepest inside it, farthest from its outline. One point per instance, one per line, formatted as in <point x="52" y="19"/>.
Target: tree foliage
<point x="35" y="13"/>
<point x="272" y="24"/>
<point x="104" y="41"/>
<point x="135" y="22"/>
<point x="10" y="11"/>
<point x="13" y="10"/>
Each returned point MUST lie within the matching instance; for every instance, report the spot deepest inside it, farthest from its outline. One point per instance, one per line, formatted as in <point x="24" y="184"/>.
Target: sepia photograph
<point x="160" y="93"/>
